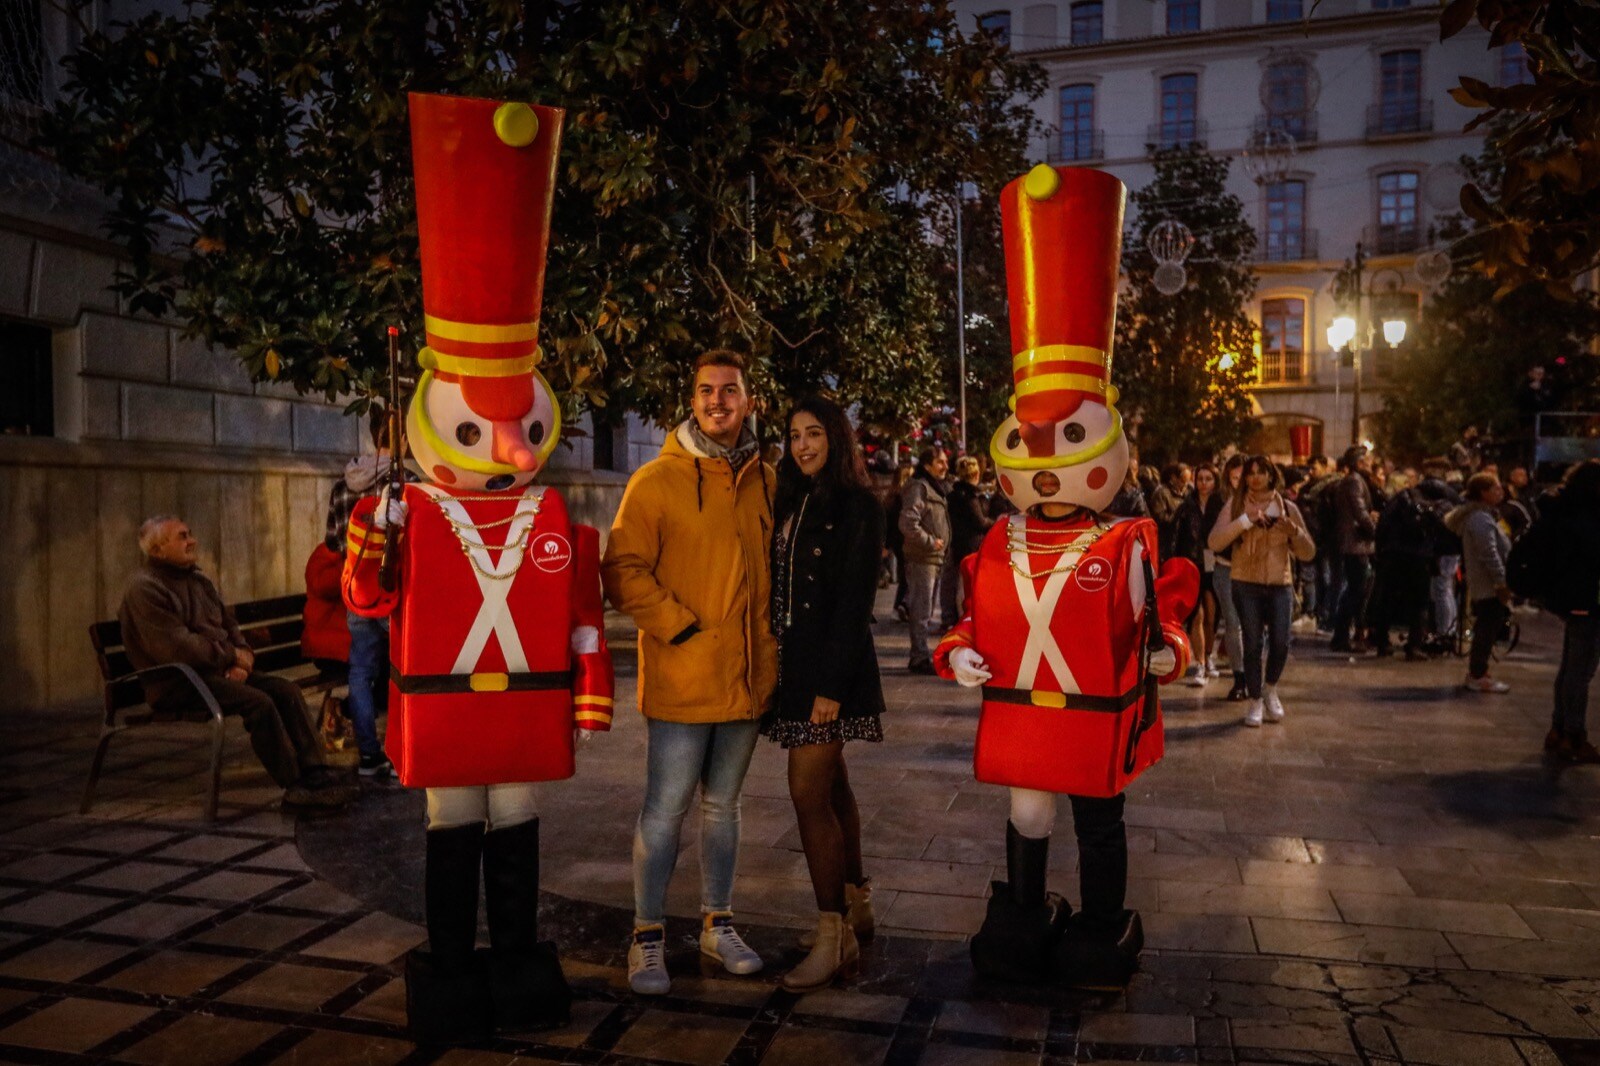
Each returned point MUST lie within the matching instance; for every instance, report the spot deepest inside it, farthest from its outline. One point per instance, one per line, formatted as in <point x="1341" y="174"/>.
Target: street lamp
<point x="1394" y="331"/>
<point x="1341" y="331"/>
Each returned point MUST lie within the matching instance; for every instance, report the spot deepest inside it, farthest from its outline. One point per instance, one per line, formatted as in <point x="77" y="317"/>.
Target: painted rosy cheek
<point x="1096" y="479"/>
<point x="1005" y="485"/>
<point x="443" y="474"/>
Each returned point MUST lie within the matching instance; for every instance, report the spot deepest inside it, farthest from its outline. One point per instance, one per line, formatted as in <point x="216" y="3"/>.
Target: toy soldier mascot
<point x="1067" y="626"/>
<point x="497" y="636"/>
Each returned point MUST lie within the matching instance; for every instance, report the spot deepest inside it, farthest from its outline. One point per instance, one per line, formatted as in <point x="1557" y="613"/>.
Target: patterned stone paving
<point x="1393" y="875"/>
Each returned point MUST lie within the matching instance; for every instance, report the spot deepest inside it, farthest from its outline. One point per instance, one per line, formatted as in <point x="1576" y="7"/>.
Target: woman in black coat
<point x="825" y="552"/>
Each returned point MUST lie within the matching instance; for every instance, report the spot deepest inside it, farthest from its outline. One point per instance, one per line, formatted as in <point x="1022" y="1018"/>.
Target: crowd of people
<point x="1367" y="553"/>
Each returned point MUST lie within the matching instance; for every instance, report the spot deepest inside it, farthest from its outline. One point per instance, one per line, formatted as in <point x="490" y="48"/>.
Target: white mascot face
<point x="460" y="449"/>
<point x="1077" y="461"/>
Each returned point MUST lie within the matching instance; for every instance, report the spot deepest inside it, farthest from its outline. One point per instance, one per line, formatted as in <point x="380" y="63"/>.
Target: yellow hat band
<point x="1056" y="382"/>
<point x="480" y="333"/>
<point x="1058" y="353"/>
<point x="444" y="363"/>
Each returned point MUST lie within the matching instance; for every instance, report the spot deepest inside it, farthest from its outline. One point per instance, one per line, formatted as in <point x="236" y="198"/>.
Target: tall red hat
<point x="1063" y="238"/>
<point x="485" y="177"/>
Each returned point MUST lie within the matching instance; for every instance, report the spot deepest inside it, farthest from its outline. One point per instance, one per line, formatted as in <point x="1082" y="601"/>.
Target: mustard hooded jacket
<point x="690" y="548"/>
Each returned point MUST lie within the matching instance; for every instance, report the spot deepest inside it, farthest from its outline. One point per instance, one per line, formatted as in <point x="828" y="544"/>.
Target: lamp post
<point x="1345" y="330"/>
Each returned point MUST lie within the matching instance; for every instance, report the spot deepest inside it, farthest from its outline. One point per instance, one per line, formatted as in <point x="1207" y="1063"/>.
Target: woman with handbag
<point x="828" y="537"/>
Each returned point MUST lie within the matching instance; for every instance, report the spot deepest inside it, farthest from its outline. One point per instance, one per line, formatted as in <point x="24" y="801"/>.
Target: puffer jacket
<point x="1485" y="546"/>
<point x="924" y="520"/>
<point x="687" y="560"/>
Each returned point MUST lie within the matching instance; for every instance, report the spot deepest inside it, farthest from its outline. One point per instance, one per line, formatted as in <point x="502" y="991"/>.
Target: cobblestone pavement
<point x="1393" y="874"/>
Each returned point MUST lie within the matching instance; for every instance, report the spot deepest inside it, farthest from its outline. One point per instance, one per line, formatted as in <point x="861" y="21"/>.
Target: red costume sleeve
<point x="1177" y="591"/>
<point x="964" y="634"/>
<point x="362" y="560"/>
<point x="593" y="685"/>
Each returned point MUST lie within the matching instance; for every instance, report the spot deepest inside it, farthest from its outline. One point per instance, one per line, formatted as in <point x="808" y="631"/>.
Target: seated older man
<point x="172" y="613"/>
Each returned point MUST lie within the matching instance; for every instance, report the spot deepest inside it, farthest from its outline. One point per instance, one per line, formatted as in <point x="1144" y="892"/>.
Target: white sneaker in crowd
<point x="1197" y="677"/>
<point x="1485" y="684"/>
<point x="1274" y="706"/>
<point x="719" y="940"/>
<point x="1252" y="717"/>
<point x="647" y="961"/>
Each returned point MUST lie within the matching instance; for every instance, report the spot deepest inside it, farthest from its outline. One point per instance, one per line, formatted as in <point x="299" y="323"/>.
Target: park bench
<point x="272" y="628"/>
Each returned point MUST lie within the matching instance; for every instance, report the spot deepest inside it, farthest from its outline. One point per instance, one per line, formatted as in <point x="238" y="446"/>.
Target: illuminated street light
<point x="1341" y="331"/>
<point x="1394" y="331"/>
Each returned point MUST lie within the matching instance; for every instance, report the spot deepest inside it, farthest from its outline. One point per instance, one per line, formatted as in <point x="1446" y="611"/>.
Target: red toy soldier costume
<point x="1067" y="626"/>
<point x="497" y="639"/>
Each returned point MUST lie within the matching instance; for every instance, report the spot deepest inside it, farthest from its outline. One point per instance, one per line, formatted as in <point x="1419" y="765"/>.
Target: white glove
<point x="582" y="736"/>
<point x="394" y="514"/>
<point x="585" y="640"/>
<point x="1162" y="662"/>
<point x="969" y="668"/>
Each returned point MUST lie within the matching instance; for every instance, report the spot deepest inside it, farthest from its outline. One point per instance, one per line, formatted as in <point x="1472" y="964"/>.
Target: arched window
<point x="1077" y="123"/>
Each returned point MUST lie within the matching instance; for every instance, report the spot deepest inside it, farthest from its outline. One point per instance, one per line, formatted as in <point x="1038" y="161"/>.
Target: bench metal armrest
<point x="188" y="674"/>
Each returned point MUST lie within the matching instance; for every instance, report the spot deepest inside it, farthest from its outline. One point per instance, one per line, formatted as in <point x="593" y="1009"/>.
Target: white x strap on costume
<point x="1040" y="608"/>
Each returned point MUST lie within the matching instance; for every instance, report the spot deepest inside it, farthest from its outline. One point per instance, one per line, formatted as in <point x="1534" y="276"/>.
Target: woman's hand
<point x="824" y="710"/>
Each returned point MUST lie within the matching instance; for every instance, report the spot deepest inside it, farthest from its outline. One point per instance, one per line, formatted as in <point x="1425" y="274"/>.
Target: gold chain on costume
<point x="1016" y="544"/>
<point x="467" y="546"/>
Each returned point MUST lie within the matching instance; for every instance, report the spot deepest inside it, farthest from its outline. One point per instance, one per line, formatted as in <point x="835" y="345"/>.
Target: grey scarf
<point x="737" y="455"/>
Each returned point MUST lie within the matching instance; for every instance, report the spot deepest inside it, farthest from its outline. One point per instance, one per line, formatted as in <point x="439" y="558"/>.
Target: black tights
<point x="830" y="824"/>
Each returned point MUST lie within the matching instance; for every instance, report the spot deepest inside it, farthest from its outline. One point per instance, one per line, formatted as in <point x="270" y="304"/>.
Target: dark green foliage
<point x="1179" y="399"/>
<point x="274" y="135"/>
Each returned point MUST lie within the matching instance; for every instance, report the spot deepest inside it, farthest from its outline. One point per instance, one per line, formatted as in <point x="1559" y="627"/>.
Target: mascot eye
<point x="536" y="434"/>
<point x="1073" y="432"/>
<point x="1014" y="439"/>
<point x="468" y="433"/>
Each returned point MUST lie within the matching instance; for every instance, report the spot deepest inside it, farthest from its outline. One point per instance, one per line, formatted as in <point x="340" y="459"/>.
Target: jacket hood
<point x="1457" y="518"/>
<point x="364" y="471"/>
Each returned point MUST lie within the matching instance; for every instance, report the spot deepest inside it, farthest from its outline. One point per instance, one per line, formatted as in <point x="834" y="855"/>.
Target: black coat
<point x="1194" y="527"/>
<point x="969" y="518"/>
<point x="825" y="581"/>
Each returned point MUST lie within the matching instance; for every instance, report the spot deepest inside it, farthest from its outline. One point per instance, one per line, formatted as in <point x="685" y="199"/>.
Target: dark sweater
<point x="174" y="614"/>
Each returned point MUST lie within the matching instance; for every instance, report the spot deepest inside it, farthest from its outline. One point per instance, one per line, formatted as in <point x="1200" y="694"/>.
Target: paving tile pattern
<point x="1394" y="875"/>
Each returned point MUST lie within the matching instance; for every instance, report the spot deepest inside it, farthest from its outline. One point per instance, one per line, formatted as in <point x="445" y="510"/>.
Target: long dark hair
<point x="844" y="469"/>
<point x="1266" y="466"/>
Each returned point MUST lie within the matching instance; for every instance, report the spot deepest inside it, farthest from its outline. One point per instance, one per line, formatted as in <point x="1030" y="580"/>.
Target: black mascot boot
<point x="1024" y="921"/>
<point x="525" y="979"/>
<point x="447" y="989"/>
<point x="1102" y="944"/>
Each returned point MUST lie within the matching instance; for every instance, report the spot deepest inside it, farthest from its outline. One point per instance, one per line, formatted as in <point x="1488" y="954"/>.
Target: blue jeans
<point x="1222" y="585"/>
<point x="1442" y="590"/>
<point x="1263" y="607"/>
<point x="369" y="645"/>
<point x="680" y="757"/>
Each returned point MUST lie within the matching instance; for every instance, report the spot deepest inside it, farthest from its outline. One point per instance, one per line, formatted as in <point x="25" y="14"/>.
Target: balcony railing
<point x="1395" y="239"/>
<point x="1080" y="146"/>
<point x="1288" y="246"/>
<point x="1400" y="119"/>
<point x="1177" y="133"/>
<point x="1301" y="125"/>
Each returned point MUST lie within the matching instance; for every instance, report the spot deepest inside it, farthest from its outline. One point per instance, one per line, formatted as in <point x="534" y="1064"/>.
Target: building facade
<point x="1362" y="89"/>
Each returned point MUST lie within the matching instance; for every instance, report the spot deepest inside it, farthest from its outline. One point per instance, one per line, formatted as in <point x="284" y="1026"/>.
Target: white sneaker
<point x="1198" y="678"/>
<point x="1252" y="717"/>
<point x="647" y="961"/>
<point x="1485" y="684"/>
<point x="719" y="940"/>
<point x="1274" y="706"/>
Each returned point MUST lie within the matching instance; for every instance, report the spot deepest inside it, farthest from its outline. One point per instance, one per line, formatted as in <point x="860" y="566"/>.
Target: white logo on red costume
<point x="551" y="552"/>
<point x="1093" y="575"/>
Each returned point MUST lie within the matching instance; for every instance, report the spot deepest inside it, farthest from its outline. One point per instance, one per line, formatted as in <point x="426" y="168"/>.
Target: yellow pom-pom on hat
<point x="1042" y="182"/>
<point x="516" y="124"/>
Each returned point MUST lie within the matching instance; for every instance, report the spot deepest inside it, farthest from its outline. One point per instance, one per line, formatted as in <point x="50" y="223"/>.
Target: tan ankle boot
<point x="834" y="954"/>
<point x="858" y="915"/>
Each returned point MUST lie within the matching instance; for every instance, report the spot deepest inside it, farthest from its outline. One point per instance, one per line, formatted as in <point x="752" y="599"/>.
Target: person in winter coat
<point x="687" y="559"/>
<point x="1571" y="536"/>
<point x="1485" y="545"/>
<point x="829" y="531"/>
<point x="969" y="521"/>
<point x="1356" y="519"/>
<point x="1404" y="555"/>
<point x="925" y="527"/>
<point x="1197" y="514"/>
<point x="1222" y="583"/>
<point x="1441" y="500"/>
<point x="1265" y="533"/>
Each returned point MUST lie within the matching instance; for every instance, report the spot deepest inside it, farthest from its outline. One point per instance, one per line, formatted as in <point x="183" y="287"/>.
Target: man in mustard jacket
<point x="687" y="559"/>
